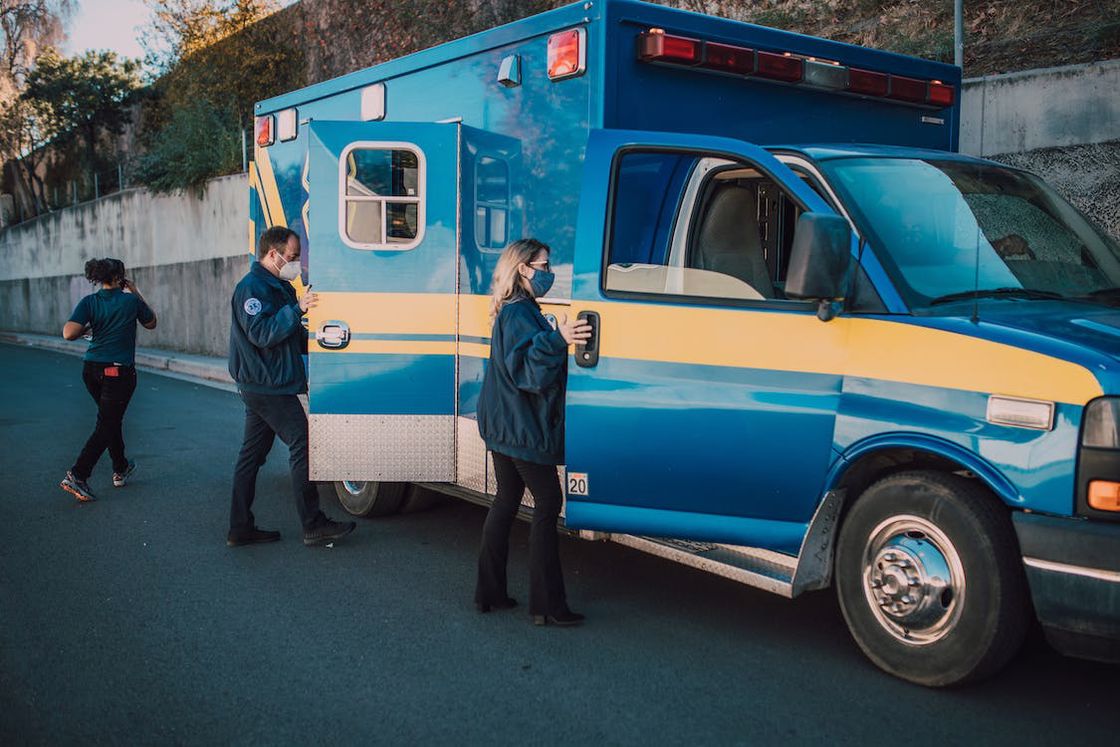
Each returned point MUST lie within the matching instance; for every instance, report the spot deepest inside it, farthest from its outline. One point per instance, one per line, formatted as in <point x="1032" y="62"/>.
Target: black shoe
<point x="251" y="536"/>
<point x="563" y="619"/>
<point x="506" y="604"/>
<point x="325" y="530"/>
<point x="77" y="488"/>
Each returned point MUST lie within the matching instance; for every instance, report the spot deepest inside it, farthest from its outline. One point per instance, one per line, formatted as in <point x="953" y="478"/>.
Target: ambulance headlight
<point x="1101" y="427"/>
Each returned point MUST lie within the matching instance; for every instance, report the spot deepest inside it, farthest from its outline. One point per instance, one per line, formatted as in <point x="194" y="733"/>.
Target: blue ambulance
<point x="828" y="350"/>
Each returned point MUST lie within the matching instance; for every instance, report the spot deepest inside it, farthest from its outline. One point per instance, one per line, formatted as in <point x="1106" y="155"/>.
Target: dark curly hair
<point x="107" y="270"/>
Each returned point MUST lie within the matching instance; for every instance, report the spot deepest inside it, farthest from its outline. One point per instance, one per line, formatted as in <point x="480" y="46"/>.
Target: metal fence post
<point x="244" y="152"/>
<point x="120" y="176"/>
<point x="96" y="187"/>
<point x="958" y="33"/>
<point x="74" y="185"/>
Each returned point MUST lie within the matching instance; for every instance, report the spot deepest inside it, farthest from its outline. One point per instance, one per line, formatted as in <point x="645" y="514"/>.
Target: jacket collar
<point x="259" y="271"/>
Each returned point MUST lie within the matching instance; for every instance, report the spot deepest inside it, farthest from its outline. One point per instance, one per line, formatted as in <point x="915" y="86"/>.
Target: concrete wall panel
<point x="142" y="229"/>
<point x="1055" y="107"/>
<point x="191" y="300"/>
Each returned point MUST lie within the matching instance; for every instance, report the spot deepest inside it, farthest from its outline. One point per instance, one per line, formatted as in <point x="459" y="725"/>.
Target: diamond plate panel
<point x="393" y="448"/>
<point x="471" y="462"/>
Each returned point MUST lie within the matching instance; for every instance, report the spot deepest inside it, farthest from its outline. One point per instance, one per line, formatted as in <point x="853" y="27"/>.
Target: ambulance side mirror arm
<point x="819" y="261"/>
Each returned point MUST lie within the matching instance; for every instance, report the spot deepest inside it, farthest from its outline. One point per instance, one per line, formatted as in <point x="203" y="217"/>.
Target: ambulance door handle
<point x="333" y="335"/>
<point x="587" y="354"/>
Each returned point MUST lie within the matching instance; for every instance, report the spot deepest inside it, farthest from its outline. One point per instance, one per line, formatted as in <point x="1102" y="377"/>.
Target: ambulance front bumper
<point x="1073" y="568"/>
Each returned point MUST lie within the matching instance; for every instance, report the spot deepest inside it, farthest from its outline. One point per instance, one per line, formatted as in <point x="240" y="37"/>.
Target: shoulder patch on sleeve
<point x="252" y="306"/>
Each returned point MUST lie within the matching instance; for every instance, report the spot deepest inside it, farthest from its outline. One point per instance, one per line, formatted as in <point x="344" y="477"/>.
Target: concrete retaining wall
<point x="184" y="252"/>
<point x="1035" y="109"/>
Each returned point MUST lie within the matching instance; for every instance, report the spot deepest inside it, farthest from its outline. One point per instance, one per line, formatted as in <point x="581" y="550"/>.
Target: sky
<point x="107" y="24"/>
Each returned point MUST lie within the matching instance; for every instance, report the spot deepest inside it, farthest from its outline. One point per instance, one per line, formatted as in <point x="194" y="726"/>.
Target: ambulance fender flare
<point x="861" y="463"/>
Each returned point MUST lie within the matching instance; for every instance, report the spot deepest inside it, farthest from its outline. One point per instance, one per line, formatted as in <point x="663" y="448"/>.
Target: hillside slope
<point x="1000" y="35"/>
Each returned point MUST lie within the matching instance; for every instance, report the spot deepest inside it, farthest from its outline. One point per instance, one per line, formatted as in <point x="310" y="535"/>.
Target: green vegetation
<point x="86" y="95"/>
<point x="216" y="58"/>
<point x="198" y="142"/>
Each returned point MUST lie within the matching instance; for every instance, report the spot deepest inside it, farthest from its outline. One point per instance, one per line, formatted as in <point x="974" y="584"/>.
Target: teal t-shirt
<point x="113" y="315"/>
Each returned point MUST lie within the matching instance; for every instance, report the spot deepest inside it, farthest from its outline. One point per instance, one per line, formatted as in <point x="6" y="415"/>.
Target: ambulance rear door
<point x="383" y="232"/>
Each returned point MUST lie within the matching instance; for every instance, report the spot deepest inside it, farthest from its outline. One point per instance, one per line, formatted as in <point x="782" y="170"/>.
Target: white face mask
<point x="289" y="270"/>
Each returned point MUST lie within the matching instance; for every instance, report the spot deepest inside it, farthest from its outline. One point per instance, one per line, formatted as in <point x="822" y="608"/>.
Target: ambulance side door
<point x="383" y="234"/>
<point x="707" y="408"/>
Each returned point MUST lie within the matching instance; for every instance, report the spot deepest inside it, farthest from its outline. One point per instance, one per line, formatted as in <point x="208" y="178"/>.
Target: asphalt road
<point x="129" y="620"/>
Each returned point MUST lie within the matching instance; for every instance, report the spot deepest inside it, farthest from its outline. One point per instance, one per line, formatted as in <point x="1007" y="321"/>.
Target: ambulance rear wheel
<point x="419" y="498"/>
<point x="371" y="498"/>
<point x="930" y="579"/>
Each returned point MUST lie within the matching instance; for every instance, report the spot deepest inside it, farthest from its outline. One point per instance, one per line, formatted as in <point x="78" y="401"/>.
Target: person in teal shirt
<point x="109" y="371"/>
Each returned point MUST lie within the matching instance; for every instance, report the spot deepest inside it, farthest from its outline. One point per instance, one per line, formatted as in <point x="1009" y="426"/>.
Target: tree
<point x="216" y="59"/>
<point x="87" y="94"/>
<point x="180" y="28"/>
<point x="26" y="28"/>
<point x="196" y="144"/>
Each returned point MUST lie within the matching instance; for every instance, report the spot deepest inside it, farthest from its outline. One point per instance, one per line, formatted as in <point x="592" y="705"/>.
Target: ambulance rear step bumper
<point x="752" y="566"/>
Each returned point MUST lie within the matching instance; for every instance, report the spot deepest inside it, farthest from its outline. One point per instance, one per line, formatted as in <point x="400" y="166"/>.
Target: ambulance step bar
<point x="771" y="571"/>
<point x="752" y="566"/>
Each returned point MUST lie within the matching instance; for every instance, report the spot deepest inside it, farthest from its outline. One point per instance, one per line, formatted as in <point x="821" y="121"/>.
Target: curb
<point x="204" y="369"/>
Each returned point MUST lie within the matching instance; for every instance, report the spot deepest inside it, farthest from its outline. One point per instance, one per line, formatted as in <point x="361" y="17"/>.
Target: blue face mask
<point x="541" y="282"/>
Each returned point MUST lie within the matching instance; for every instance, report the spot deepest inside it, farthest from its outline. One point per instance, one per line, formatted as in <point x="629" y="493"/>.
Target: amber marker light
<point x="1104" y="495"/>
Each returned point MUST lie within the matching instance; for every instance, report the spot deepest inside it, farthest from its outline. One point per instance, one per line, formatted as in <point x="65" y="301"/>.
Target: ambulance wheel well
<point x="870" y="468"/>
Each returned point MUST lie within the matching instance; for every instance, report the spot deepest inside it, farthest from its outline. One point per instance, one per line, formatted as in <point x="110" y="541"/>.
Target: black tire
<point x="419" y="498"/>
<point x="904" y="533"/>
<point x="371" y="498"/>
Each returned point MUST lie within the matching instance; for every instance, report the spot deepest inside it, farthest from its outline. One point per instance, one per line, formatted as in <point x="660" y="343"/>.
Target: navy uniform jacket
<point x="266" y="339"/>
<point x="521" y="406"/>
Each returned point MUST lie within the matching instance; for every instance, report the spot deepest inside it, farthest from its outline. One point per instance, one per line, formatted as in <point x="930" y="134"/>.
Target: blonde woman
<point x="521" y="419"/>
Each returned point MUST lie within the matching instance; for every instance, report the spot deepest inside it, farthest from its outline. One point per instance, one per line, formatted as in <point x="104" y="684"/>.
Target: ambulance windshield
<point x="955" y="231"/>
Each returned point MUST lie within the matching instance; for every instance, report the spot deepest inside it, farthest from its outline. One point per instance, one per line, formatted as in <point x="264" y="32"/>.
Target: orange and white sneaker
<point x="77" y="488"/>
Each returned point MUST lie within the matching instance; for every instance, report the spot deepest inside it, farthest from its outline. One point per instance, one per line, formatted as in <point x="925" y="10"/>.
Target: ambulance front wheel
<point x="371" y="498"/>
<point x="930" y="579"/>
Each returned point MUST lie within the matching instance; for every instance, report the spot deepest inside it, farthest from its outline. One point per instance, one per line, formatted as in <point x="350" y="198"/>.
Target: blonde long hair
<point x="507" y="283"/>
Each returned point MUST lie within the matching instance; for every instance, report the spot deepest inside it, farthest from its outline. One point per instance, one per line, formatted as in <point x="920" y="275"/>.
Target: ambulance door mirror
<point x="819" y="259"/>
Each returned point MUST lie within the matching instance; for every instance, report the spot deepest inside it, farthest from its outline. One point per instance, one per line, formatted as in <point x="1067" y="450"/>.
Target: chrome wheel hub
<point x="913" y="579"/>
<point x="353" y="488"/>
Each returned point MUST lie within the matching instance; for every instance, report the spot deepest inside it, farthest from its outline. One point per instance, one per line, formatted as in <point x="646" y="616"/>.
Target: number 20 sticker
<point x="577" y="483"/>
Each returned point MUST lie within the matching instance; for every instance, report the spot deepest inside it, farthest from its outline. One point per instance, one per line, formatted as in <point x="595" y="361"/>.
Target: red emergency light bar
<point x="656" y="46"/>
<point x="728" y="59"/>
<point x="909" y="89"/>
<point x="780" y="67"/>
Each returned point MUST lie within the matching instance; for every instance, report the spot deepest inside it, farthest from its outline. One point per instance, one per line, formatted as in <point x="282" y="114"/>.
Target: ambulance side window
<point x="690" y="225"/>
<point x="382" y="197"/>
<point x="491" y="203"/>
<point x="647" y="191"/>
<point x="743" y="227"/>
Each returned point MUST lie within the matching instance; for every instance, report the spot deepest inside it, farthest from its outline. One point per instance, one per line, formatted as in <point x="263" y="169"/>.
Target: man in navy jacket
<point x="266" y="346"/>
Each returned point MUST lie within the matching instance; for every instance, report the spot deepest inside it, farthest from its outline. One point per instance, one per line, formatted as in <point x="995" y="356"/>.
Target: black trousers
<point x="546" y="580"/>
<point x="268" y="416"/>
<point x="112" y="395"/>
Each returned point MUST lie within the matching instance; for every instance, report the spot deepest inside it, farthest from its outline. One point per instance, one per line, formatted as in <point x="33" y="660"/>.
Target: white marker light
<point x="373" y="102"/>
<point x="1022" y="413"/>
<point x="286" y="126"/>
